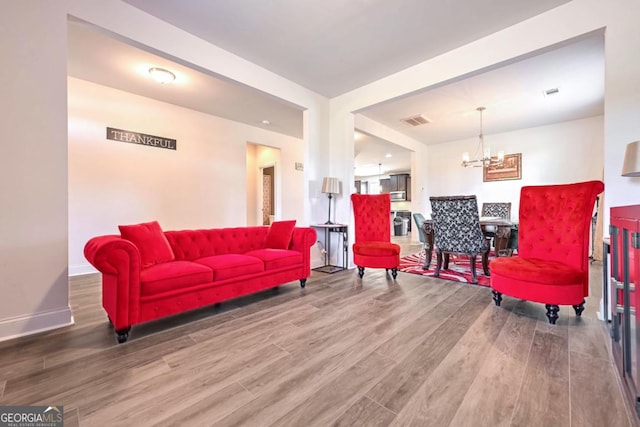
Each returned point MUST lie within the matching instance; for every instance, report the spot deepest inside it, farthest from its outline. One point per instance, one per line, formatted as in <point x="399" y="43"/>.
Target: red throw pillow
<point x="280" y="234"/>
<point x="150" y="240"/>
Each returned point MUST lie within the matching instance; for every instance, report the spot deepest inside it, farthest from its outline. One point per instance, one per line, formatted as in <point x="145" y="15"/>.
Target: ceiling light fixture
<point x="483" y="156"/>
<point x="266" y="122"/>
<point x="161" y="75"/>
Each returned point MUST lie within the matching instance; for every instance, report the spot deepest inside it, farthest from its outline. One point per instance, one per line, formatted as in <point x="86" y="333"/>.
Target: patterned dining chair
<point x="499" y="210"/>
<point x="457" y="230"/>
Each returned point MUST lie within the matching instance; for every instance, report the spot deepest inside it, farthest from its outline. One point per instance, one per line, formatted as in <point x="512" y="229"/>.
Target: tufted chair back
<point x="497" y="209"/>
<point x="555" y="221"/>
<point x="456" y="225"/>
<point x="372" y="214"/>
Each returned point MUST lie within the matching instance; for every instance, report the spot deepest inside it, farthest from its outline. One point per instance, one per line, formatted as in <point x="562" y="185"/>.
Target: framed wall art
<point x="510" y="168"/>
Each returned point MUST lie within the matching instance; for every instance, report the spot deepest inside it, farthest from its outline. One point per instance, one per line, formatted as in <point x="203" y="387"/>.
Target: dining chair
<point x="552" y="266"/>
<point x="418" y="218"/>
<point x="499" y="210"/>
<point x="373" y="247"/>
<point x="457" y="230"/>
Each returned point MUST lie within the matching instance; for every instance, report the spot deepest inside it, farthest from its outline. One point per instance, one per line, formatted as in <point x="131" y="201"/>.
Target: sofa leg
<point x="497" y="297"/>
<point x="360" y="272"/>
<point x="552" y="313"/>
<point x="394" y="273"/>
<point x="579" y="308"/>
<point x="303" y="282"/>
<point x="123" y="334"/>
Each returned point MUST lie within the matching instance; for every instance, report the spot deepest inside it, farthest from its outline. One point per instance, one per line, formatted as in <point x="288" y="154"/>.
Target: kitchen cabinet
<point x="385" y="185"/>
<point x="401" y="182"/>
<point x="358" y="187"/>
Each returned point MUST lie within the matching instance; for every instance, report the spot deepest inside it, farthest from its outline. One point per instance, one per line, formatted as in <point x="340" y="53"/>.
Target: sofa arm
<point x="302" y="240"/>
<point x="119" y="262"/>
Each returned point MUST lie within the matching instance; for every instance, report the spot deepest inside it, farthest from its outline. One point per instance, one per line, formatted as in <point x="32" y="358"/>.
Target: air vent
<point x="416" y="120"/>
<point x="551" y="91"/>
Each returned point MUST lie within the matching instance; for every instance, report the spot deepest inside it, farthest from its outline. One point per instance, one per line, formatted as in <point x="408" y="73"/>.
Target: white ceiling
<point x="335" y="46"/>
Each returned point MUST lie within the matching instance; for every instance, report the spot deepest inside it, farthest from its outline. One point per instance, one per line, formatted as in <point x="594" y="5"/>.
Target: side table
<point x="343" y="238"/>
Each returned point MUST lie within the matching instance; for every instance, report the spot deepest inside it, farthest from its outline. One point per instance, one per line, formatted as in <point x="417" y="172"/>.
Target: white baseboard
<point x="33" y="323"/>
<point x="79" y="270"/>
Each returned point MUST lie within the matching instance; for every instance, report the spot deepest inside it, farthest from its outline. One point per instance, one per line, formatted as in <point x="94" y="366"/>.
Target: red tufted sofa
<point x="149" y="274"/>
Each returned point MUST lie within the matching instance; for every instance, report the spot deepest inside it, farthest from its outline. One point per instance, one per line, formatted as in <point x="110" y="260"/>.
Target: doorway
<point x="268" y="194"/>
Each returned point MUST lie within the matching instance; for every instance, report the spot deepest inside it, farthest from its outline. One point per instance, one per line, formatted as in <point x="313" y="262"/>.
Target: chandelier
<point x="483" y="156"/>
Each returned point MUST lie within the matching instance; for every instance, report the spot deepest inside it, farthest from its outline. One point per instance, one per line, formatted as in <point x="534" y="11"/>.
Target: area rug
<point x="459" y="268"/>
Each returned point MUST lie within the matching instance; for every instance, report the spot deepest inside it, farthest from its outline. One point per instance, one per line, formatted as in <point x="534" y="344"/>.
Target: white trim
<point x="21" y="326"/>
<point x="80" y="270"/>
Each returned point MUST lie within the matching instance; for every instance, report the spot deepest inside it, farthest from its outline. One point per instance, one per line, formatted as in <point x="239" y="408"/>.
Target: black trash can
<point x="397" y="226"/>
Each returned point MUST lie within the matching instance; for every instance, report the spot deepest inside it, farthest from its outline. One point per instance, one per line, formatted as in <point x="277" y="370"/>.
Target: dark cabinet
<point x="358" y="187"/>
<point x="401" y="182"/>
<point x="625" y="265"/>
<point x="385" y="185"/>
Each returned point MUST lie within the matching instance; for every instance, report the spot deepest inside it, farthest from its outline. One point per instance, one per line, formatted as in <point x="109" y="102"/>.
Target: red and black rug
<point x="459" y="268"/>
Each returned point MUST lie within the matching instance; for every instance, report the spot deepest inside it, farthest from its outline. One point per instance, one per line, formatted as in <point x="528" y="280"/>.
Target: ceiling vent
<point x="551" y="91"/>
<point x="416" y="120"/>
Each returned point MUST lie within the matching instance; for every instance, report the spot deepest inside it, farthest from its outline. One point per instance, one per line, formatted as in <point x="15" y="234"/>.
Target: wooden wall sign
<point x="141" y="138"/>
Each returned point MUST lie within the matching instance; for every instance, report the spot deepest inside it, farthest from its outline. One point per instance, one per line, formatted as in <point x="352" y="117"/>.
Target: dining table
<point x="492" y="226"/>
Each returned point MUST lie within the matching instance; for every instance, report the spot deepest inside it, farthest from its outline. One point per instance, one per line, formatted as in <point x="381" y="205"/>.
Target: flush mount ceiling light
<point x="161" y="75"/>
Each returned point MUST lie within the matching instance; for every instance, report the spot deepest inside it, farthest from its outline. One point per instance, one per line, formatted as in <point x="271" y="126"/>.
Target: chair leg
<point x="497" y="297"/>
<point x="552" y="313"/>
<point x="360" y="272"/>
<point x="579" y="308"/>
<point x="485" y="263"/>
<point x="474" y="276"/>
<point x="446" y="261"/>
<point x="438" y="263"/>
<point x="394" y="273"/>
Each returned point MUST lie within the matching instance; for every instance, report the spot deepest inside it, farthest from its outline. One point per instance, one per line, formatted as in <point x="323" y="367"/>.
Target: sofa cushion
<point x="277" y="258"/>
<point x="172" y="275"/>
<point x="231" y="265"/>
<point x="279" y="235"/>
<point x="151" y="242"/>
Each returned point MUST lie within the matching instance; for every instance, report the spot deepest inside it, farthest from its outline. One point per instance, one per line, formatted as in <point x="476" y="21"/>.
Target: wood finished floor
<point x="342" y="352"/>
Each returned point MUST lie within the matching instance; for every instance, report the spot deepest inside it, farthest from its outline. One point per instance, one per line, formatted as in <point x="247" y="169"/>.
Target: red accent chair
<point x="373" y="247"/>
<point x="552" y="266"/>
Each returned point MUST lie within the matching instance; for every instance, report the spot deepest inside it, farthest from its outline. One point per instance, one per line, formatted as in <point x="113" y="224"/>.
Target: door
<point x="267" y="208"/>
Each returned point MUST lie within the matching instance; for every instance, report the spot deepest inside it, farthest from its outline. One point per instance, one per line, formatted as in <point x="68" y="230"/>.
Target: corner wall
<point x="33" y="173"/>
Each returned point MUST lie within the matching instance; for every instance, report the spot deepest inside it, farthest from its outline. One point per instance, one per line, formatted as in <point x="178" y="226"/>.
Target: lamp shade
<point x="631" y="165"/>
<point x="330" y="185"/>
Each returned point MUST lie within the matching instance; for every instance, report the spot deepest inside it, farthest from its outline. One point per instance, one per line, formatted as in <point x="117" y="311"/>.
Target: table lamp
<point x="631" y="164"/>
<point x="330" y="186"/>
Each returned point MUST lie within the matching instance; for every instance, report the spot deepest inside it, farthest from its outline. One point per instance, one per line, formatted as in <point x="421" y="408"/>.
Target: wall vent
<point x="551" y="91"/>
<point x="416" y="120"/>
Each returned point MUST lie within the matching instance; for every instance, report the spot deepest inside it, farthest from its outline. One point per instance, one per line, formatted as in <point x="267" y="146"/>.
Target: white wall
<point x="556" y="154"/>
<point x="202" y="184"/>
<point x="571" y="20"/>
<point x="33" y="169"/>
<point x="252" y="186"/>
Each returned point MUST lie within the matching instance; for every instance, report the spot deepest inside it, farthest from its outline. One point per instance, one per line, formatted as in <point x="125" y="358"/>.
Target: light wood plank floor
<point x="342" y="352"/>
